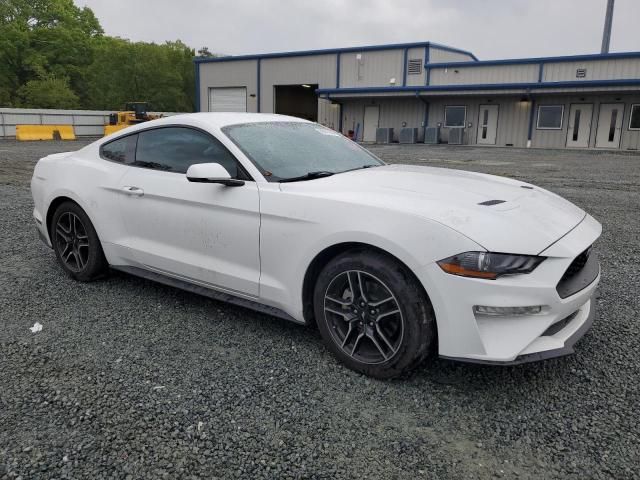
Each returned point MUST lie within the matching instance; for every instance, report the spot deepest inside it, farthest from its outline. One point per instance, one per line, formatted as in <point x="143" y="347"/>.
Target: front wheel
<point x="373" y="315"/>
<point x="76" y="243"/>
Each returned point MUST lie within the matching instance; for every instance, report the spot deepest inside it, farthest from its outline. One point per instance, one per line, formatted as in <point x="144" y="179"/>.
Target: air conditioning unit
<point x="408" y="135"/>
<point x="456" y="136"/>
<point x="384" y="135"/>
<point x="432" y="135"/>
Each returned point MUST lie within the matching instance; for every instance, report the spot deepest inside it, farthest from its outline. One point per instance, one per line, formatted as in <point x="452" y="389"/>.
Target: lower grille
<point x="559" y="325"/>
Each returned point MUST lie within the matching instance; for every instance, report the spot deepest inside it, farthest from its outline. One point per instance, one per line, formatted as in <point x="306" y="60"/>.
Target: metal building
<point x="580" y="101"/>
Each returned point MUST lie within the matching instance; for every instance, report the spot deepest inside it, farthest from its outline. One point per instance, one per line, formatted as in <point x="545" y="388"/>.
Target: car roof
<point x="223" y="119"/>
<point x="215" y="120"/>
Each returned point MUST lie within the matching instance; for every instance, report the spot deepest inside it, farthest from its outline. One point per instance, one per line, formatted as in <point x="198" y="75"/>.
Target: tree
<point x="204" y="52"/>
<point x="55" y="45"/>
<point x="42" y="37"/>
<point x="48" y="92"/>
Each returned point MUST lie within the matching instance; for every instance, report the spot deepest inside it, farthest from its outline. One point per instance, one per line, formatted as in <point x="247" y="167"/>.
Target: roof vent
<point x="414" y="67"/>
<point x="489" y="203"/>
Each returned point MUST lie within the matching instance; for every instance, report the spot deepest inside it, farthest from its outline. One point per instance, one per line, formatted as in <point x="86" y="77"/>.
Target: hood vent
<point x="489" y="203"/>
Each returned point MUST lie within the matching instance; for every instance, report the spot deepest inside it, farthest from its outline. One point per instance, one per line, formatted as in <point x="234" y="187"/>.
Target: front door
<point x="609" y="125"/>
<point x="371" y="119"/>
<point x="199" y="232"/>
<point x="579" y="125"/>
<point x="487" y="125"/>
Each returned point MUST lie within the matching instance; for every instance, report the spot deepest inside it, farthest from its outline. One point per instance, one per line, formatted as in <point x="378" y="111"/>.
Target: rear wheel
<point x="76" y="243"/>
<point x="372" y="314"/>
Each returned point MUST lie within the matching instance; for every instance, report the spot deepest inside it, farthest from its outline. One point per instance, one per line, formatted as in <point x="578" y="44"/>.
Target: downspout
<point x="426" y="109"/>
<point x="258" y="72"/>
<point x="531" y="117"/>
<point x="196" y="66"/>
<point x="532" y="113"/>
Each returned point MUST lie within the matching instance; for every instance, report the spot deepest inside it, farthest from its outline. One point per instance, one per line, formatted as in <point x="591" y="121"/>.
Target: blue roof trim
<point x="327" y="51"/>
<point x="485" y="86"/>
<point x="526" y="61"/>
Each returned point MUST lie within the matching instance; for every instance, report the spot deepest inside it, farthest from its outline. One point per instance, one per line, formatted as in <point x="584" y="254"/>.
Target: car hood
<point x="500" y="214"/>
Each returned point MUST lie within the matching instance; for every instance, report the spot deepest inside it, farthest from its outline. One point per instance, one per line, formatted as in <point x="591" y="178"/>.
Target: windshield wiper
<point x="308" y="176"/>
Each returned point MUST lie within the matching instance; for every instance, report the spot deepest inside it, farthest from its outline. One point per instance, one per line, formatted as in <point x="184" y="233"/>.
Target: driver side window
<point x="175" y="149"/>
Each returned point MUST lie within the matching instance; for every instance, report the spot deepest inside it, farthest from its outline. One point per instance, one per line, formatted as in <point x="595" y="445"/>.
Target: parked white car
<point x="289" y="217"/>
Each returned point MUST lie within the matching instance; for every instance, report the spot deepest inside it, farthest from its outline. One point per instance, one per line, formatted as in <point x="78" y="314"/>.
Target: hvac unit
<point x="408" y="135"/>
<point x="432" y="135"/>
<point x="384" y="135"/>
<point x="456" y="136"/>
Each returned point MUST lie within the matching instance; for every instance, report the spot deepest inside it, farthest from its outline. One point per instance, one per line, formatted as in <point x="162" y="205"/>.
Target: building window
<point x="414" y="66"/>
<point x="550" y="117"/>
<point x="634" y="120"/>
<point x="455" y="116"/>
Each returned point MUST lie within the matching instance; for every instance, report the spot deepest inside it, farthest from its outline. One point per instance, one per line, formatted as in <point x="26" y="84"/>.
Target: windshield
<point x="287" y="150"/>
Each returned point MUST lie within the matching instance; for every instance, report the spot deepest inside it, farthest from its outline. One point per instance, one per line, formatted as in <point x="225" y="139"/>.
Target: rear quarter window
<point x="119" y="150"/>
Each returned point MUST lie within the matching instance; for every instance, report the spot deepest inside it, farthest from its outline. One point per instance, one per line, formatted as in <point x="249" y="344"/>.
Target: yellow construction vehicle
<point x="133" y="113"/>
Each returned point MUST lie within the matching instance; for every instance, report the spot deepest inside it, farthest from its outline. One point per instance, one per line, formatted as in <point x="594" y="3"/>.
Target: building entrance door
<point x="579" y="125"/>
<point x="609" y="125"/>
<point x="487" y="125"/>
<point x="371" y="119"/>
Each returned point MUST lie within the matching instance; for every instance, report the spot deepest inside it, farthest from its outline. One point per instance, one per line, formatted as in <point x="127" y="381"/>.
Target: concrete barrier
<point x="85" y="123"/>
<point x="45" y="132"/>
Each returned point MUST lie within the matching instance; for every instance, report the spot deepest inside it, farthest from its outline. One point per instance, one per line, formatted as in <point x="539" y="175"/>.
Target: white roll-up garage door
<point x="228" y="99"/>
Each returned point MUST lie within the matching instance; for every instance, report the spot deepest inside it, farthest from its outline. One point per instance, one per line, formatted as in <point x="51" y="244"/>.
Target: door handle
<point x="138" y="192"/>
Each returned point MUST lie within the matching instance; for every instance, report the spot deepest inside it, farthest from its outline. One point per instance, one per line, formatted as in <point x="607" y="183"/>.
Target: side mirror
<point x="211" y="173"/>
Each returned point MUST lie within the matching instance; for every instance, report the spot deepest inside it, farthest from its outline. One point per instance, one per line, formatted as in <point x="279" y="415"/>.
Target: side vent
<point x="384" y="135"/>
<point x="432" y="135"/>
<point x="456" y="136"/>
<point x="408" y="135"/>
<point x="414" y="66"/>
<point x="489" y="203"/>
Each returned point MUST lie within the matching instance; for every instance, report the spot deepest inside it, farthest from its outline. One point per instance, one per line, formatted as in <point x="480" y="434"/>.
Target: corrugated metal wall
<point x="437" y="55"/>
<point x="237" y="73"/>
<point x="513" y="118"/>
<point x="629" y="139"/>
<point x="393" y="113"/>
<point x="594" y="70"/>
<point x="374" y="68"/>
<point x="416" y="54"/>
<point x="318" y="69"/>
<point x="487" y="74"/>
<point x="384" y="68"/>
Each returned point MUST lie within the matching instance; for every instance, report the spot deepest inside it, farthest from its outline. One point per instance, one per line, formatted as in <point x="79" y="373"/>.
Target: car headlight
<point x="489" y="265"/>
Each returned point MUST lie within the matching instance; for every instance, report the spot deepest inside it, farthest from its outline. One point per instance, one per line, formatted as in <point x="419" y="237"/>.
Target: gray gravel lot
<point x="130" y="379"/>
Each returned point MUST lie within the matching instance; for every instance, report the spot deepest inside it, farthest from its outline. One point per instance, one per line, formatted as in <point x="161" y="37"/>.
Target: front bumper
<point x="507" y="340"/>
<point x="567" y="337"/>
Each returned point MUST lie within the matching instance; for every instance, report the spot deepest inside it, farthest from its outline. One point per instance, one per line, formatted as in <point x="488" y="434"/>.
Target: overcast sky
<point x="488" y="28"/>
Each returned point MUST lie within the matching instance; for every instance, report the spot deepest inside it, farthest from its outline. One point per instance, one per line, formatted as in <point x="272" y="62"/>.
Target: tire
<point x="390" y="343"/>
<point x="76" y="243"/>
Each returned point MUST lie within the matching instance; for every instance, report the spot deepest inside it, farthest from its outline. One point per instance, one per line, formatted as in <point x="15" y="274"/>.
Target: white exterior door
<point x="609" y="125"/>
<point x="579" y="125"/>
<point x="371" y="119"/>
<point x="487" y="125"/>
<point x="228" y="99"/>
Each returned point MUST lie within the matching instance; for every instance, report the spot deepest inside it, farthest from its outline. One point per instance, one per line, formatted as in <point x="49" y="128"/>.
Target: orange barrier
<point x="109" y="129"/>
<point x="45" y="132"/>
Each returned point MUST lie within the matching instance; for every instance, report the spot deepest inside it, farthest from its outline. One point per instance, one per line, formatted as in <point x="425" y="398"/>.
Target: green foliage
<point x="48" y="92"/>
<point x="159" y="74"/>
<point x="54" y="54"/>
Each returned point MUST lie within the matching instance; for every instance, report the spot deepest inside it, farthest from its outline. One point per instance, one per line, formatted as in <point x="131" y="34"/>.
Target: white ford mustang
<point x="291" y="218"/>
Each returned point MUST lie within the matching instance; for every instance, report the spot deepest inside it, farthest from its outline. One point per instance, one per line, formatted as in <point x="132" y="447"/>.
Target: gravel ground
<point x="130" y="379"/>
